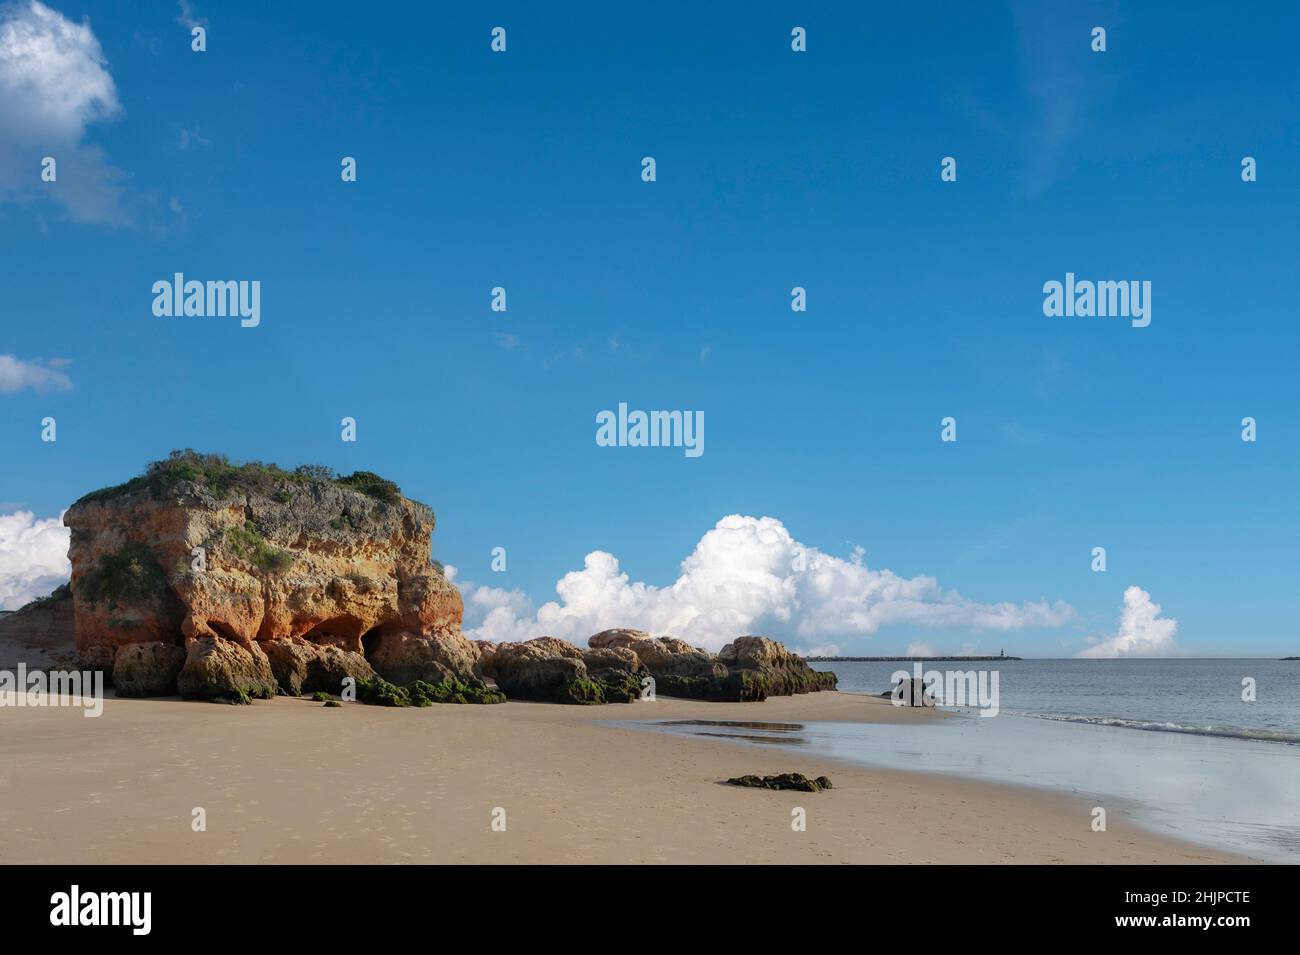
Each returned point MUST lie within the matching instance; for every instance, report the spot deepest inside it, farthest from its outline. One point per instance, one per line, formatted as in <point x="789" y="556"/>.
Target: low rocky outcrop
<point x="748" y="669"/>
<point x="794" y="781"/>
<point x="550" y="670"/>
<point x="783" y="673"/>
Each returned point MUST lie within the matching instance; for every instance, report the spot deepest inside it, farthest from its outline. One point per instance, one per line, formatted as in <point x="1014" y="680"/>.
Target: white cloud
<point x="746" y="575"/>
<point x="16" y="374"/>
<point x="192" y="137"/>
<point x="54" y="83"/>
<point x="920" y="649"/>
<point x="1142" y="633"/>
<point x="33" y="557"/>
<point x="187" y="18"/>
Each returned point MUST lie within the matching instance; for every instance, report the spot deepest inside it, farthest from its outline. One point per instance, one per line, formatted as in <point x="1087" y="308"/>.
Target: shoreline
<point x="291" y="781"/>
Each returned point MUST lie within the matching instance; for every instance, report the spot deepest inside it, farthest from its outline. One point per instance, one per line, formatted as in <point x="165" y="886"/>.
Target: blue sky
<point x="774" y="170"/>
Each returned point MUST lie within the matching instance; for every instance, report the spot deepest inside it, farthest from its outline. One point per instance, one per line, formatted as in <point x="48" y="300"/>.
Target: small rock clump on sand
<point x="795" y="781"/>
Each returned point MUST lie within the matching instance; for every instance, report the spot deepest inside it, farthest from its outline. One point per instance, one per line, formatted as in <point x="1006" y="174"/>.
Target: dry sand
<point x="293" y="781"/>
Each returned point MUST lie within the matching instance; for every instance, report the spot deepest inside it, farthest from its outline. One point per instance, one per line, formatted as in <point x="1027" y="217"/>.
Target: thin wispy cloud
<point x="1067" y="87"/>
<point x="192" y="137"/>
<point x="187" y="17"/>
<point x="19" y="375"/>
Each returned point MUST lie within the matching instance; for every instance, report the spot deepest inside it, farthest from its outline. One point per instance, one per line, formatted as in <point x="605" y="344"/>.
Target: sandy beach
<point x="292" y="781"/>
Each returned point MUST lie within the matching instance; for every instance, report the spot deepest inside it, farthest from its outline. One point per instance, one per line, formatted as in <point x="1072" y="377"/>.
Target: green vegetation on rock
<point x="216" y="475"/>
<point x="248" y="544"/>
<point x="61" y="592"/>
<point x="380" y="692"/>
<point x="131" y="574"/>
<point x="372" y="485"/>
<point x="740" y="687"/>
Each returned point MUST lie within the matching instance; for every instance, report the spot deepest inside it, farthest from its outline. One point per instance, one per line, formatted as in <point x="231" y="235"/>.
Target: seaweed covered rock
<point x="738" y="687"/>
<point x="749" y="669"/>
<point x="785" y="673"/>
<point x="794" y="781"/>
<point x="380" y="692"/>
<point x="147" y="669"/>
<point x="549" y="670"/>
<point x="301" y="667"/>
<point x="617" y="671"/>
<point x="225" y="670"/>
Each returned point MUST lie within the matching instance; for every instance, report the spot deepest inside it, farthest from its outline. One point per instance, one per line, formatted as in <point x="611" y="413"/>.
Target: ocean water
<point x="1166" y="744"/>
<point x="1175" y="696"/>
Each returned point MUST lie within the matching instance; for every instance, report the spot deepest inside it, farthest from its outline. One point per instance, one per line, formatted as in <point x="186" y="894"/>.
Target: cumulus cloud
<point x="1142" y="632"/>
<point x="16" y="374"/>
<point x="33" y="557"/>
<point x="920" y="649"/>
<point x="746" y="575"/>
<point x="54" y="83"/>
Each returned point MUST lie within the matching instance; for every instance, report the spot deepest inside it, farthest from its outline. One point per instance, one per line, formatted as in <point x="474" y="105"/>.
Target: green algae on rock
<point x="794" y="781"/>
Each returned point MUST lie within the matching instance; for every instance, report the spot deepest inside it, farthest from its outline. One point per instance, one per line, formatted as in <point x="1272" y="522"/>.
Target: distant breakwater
<point x="903" y="659"/>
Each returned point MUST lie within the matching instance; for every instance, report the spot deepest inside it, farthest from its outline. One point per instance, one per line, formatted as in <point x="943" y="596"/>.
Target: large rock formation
<point x="229" y="561"/>
<point x="235" y="582"/>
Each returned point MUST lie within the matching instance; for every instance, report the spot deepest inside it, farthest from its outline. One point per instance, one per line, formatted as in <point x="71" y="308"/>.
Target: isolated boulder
<point x="910" y="691"/>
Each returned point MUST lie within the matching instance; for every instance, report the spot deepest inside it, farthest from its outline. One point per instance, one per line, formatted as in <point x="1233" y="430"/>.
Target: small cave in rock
<point x="370" y="639"/>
